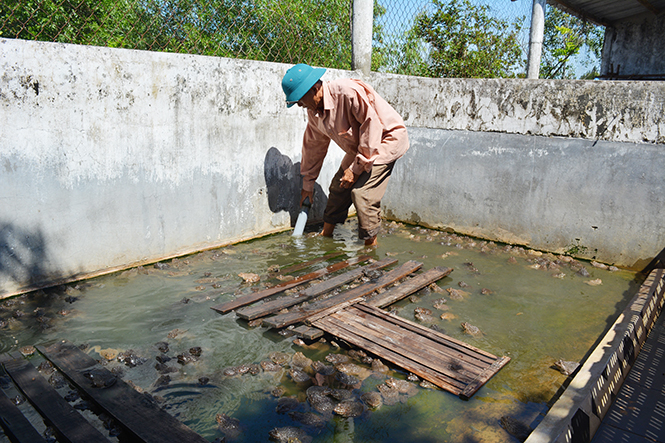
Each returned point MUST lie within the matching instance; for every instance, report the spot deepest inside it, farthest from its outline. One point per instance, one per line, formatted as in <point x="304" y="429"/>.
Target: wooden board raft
<point x="247" y="299"/>
<point x="356" y="317"/>
<point x="445" y="362"/>
<point x="139" y="417"/>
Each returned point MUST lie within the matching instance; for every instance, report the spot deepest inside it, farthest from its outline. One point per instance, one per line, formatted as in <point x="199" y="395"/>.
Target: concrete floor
<point x="638" y="412"/>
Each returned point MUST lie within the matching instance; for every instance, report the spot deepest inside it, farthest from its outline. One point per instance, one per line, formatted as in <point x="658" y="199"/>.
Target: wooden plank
<point x="424" y="358"/>
<point x="352" y="295"/>
<point x="443" y="344"/>
<point x="17" y="428"/>
<point x="247" y="299"/>
<point x="407" y="288"/>
<point x="140" y="416"/>
<point x="337" y="328"/>
<point x="483" y="377"/>
<point x="333" y="309"/>
<point x="409" y="342"/>
<point x="308" y="333"/>
<point x="412" y="346"/>
<point x="436" y="336"/>
<point x="70" y="426"/>
<point x="270" y="307"/>
<point x="299" y="266"/>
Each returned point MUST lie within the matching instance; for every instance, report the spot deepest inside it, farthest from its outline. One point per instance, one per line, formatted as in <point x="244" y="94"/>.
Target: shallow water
<point x="525" y="314"/>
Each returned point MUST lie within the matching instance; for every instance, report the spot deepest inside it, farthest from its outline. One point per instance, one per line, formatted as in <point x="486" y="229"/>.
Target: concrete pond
<point x="535" y="308"/>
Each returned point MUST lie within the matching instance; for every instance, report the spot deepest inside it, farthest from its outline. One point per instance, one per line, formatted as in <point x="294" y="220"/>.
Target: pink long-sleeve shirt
<point x="360" y="122"/>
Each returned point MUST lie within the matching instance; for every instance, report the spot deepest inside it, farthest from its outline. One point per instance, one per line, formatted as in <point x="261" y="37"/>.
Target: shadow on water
<point x="23" y="254"/>
<point x="284" y="182"/>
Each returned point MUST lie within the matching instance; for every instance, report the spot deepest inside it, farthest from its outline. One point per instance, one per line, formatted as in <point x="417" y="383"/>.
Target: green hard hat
<point x="298" y="80"/>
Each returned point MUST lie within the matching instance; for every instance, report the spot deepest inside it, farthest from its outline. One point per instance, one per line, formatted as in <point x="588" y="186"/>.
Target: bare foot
<point x="371" y="241"/>
<point x="328" y="229"/>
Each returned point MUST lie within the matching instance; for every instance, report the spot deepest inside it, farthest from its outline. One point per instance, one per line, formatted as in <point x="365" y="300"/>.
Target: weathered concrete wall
<point x="115" y="157"/>
<point x="601" y="200"/>
<point x="112" y="157"/>
<point x="607" y="110"/>
<point x="635" y="46"/>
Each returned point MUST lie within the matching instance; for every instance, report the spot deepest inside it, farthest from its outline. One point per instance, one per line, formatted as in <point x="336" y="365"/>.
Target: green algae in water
<point x="529" y="306"/>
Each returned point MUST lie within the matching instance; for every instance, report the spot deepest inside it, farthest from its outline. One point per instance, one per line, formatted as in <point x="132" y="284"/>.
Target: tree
<point x="464" y="41"/>
<point x="565" y="36"/>
<point x="90" y="22"/>
<point x="313" y="31"/>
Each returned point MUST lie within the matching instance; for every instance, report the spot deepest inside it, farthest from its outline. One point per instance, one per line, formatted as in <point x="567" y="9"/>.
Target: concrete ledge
<point x="577" y="414"/>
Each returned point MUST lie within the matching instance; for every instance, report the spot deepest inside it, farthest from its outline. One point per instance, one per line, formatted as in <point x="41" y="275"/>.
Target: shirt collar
<point x="328" y="103"/>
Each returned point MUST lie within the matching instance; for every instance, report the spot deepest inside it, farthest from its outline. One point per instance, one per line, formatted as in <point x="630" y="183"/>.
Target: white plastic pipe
<point x="302" y="219"/>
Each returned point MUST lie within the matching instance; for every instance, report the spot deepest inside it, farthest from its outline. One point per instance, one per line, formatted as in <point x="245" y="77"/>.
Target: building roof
<point x="607" y="12"/>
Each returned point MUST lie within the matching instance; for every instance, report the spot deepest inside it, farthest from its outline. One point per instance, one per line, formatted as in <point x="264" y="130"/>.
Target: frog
<point x="566" y="367"/>
<point x="471" y="329"/>
<point x="289" y="434"/>
<point x="228" y="425"/>
<point x="423" y="314"/>
<point x="372" y="399"/>
<point x="349" y="408"/>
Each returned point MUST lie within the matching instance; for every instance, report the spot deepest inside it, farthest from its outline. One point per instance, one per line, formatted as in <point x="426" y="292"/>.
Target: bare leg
<point x="328" y="229"/>
<point x="371" y="241"/>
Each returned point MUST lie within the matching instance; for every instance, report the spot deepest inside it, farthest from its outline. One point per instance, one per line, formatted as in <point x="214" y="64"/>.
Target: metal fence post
<point x="536" y="38"/>
<point x="361" y="35"/>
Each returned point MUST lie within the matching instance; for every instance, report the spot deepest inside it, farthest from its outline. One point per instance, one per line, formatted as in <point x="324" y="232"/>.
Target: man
<point x="371" y="133"/>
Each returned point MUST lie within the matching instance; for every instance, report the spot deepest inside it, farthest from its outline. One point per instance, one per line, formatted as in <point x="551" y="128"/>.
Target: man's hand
<point x="305" y="194"/>
<point x="348" y="179"/>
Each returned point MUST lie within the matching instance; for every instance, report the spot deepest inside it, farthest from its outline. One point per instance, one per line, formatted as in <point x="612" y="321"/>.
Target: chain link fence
<point x="438" y="38"/>
<point x="467" y="36"/>
<point x="272" y="30"/>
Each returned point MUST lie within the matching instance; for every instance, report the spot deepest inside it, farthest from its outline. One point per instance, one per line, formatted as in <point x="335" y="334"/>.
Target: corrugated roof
<point x="606" y="12"/>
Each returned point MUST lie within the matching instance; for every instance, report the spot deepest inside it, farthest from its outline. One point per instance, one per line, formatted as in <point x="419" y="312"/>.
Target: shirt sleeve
<point x="314" y="149"/>
<point x="370" y="132"/>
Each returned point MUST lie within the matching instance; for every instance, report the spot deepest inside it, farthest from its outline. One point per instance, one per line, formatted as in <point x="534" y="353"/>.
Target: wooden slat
<point x="70" y="426"/>
<point x="434" y="360"/>
<point x="308" y="333"/>
<point x="15" y="425"/>
<point x="140" y="416"/>
<point x="431" y="334"/>
<point x="339" y="329"/>
<point x="279" y="321"/>
<point x="247" y="299"/>
<point x="299" y="266"/>
<point x="407" y="288"/>
<point x="483" y="377"/>
<point x="270" y="307"/>
<point x="407" y="343"/>
<point x="413" y="347"/>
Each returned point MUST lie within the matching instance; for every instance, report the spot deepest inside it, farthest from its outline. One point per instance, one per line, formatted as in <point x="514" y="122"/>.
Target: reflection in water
<point x="535" y="308"/>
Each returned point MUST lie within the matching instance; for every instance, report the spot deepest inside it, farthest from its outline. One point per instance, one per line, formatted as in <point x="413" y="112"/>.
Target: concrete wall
<point x="110" y="158"/>
<point x="116" y="157"/>
<point x="635" y="46"/>
<point x="602" y="200"/>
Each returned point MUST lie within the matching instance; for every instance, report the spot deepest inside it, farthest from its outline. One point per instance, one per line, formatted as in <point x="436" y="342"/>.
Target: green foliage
<point x="91" y="22"/>
<point x="565" y="37"/>
<point x="378" y="52"/>
<point x="313" y="31"/>
<point x="464" y="40"/>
